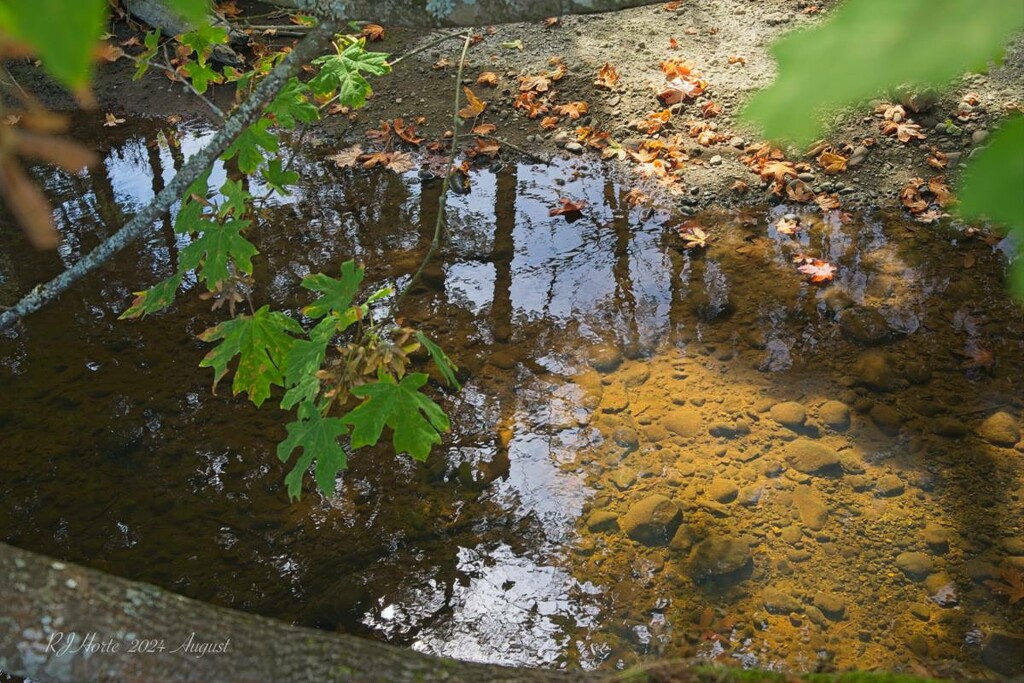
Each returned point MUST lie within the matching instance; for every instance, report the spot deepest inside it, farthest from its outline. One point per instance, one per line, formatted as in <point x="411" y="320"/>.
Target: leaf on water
<point x="373" y="32"/>
<point x="568" y="208"/>
<point x="1012" y="584"/>
<point x="261" y="341"/>
<point x="693" y="237"/>
<point x="786" y="226"/>
<point x="474" y="105"/>
<point x="400" y="162"/>
<point x="416" y="421"/>
<point x="347" y="157"/>
<point x="819" y="271"/>
<point x="317" y="436"/>
<point x="110" y="121"/>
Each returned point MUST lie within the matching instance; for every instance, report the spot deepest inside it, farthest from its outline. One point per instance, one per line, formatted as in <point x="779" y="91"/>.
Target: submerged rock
<point x="1004" y="653"/>
<point x="812" y="509"/>
<point x="876" y="371"/>
<point x="832" y="605"/>
<point x="723" y="491"/>
<point x="779" y="602"/>
<point x="1000" y="429"/>
<point x="886" y="418"/>
<point x="652" y="521"/>
<point x="915" y="565"/>
<point x="685" y="421"/>
<point x="811" y="457"/>
<point x="789" y="414"/>
<point x="718" y="556"/>
<point x="865" y="325"/>
<point x="604" y="357"/>
<point x="602" y="520"/>
<point x="949" y="427"/>
<point x="834" y="415"/>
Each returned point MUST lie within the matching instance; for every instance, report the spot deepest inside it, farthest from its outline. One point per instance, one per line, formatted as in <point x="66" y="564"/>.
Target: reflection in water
<point x="605" y="366"/>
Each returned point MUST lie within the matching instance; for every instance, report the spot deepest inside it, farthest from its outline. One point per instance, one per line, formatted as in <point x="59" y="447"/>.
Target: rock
<point x="723" y="491"/>
<point x="811" y="457"/>
<point x="602" y="520"/>
<point x="886" y="418"/>
<point x="604" y="357"/>
<point x="718" y="556"/>
<point x="715" y="160"/>
<point x="636" y="374"/>
<point x="865" y="325"/>
<point x="1004" y="653"/>
<point x="780" y="602"/>
<point x="652" y="521"/>
<point x="812" y="509"/>
<point x="889" y="485"/>
<point x="815" y="615"/>
<point x="921" y="611"/>
<point x="918" y="644"/>
<point x="979" y="136"/>
<point x="614" y="399"/>
<point x="936" y="535"/>
<point x="832" y="605"/>
<point x="1000" y="429"/>
<point x="729" y="430"/>
<point x="789" y="414"/>
<point x="574" y="147"/>
<point x="875" y="370"/>
<point x="834" y="415"/>
<point x="914" y="564"/>
<point x="917" y="372"/>
<point x="623" y="479"/>
<point x="949" y="427"/>
<point x="684" y="421"/>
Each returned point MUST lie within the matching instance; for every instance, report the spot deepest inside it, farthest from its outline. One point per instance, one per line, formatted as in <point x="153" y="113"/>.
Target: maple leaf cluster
<point x="926" y="200"/>
<point x="681" y="82"/>
<point x="896" y="122"/>
<point x="819" y="271"/>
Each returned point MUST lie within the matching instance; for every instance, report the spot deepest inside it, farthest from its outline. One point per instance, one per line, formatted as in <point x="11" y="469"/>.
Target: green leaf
<point x="151" y="43"/>
<point x="190" y="10"/>
<point x="317" y="436"/>
<point x="302" y="363"/>
<point x="218" y="244"/>
<point x="62" y="32"/>
<point x="261" y="341"/>
<point x="251" y="146"/>
<point x="190" y="214"/>
<point x="868" y="46"/>
<point x="202" y="40"/>
<point x="291" y="105"/>
<point x="201" y="75"/>
<point x="156" y="298"/>
<point x="444" y="364"/>
<point x="414" y="419"/>
<point x="276" y="177"/>
<point x="341" y="72"/>
<point x="336" y="295"/>
<point x="236" y="199"/>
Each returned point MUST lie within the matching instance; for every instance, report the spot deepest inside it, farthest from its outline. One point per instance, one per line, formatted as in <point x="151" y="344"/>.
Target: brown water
<point x="604" y="365"/>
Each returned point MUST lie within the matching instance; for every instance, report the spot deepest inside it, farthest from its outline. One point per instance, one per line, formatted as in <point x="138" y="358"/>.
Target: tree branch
<point x="247" y="114"/>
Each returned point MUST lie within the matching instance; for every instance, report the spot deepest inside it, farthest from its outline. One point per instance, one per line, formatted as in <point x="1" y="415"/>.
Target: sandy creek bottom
<point x="656" y="453"/>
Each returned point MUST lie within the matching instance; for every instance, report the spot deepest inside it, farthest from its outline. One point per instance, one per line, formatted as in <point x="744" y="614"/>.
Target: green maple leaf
<point x="303" y="361"/>
<point x="444" y="364"/>
<point x="251" y="145"/>
<point x="342" y="73"/>
<point x="261" y="341"/>
<point x="151" y="43"/>
<point x="202" y="40"/>
<point x="217" y="245"/>
<point x="416" y="421"/>
<point x="336" y="295"/>
<point x="277" y="177"/>
<point x="156" y="298"/>
<point x="235" y="199"/>
<point x="317" y="436"/>
<point x="62" y="32"/>
<point x="292" y="105"/>
<point x="201" y="75"/>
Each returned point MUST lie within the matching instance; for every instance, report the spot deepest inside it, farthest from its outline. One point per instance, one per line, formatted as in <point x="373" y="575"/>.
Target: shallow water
<point x="603" y="365"/>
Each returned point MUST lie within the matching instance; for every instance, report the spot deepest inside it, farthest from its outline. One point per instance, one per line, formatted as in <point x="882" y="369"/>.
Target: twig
<point x="166" y="66"/>
<point x="461" y="34"/>
<point x="506" y="143"/>
<point x="247" y="114"/>
<point x="442" y="201"/>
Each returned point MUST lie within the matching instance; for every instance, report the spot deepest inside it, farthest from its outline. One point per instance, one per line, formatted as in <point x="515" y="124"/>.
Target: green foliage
<point x="317" y="436"/>
<point x="277" y="177"/>
<point x="201" y="75"/>
<point x="444" y="364"/>
<point x="868" y="46"/>
<point x="993" y="187"/>
<point x="151" y="43"/>
<point x="62" y="32"/>
<point x="292" y="104"/>
<point x="202" y="40"/>
<point x="336" y="295"/>
<point x="156" y="298"/>
<point x="261" y="341"/>
<point x="341" y="73"/>
<point x="251" y="145"/>
<point x="416" y="421"/>
<point x="218" y="245"/>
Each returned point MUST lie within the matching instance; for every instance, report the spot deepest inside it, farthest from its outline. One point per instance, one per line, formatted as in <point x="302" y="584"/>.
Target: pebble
<point x="780" y="602"/>
<point x="723" y="491"/>
<point x="1000" y="429"/>
<point x="811" y="457"/>
<point x="574" y="147"/>
<point x="830" y="604"/>
<point x="979" y="136"/>
<point x="715" y="160"/>
<point x="834" y="415"/>
<point x="812" y="509"/>
<point x="876" y="371"/>
<point x="685" y="422"/>
<point x="936" y="536"/>
<point x="652" y="521"/>
<point x="718" y="556"/>
<point x="886" y="418"/>
<point x="623" y="479"/>
<point x="602" y="520"/>
<point x="915" y="565"/>
<point x="562" y="137"/>
<point x="789" y="414"/>
<point x="949" y="427"/>
<point x="889" y="485"/>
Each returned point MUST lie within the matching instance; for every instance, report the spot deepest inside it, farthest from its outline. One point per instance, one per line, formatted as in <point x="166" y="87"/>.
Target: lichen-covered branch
<point x="62" y="623"/>
<point x="247" y="114"/>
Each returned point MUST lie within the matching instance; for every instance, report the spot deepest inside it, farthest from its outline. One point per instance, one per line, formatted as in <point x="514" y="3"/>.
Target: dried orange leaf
<point x="474" y="107"/>
<point x="607" y="77"/>
<point x="488" y="78"/>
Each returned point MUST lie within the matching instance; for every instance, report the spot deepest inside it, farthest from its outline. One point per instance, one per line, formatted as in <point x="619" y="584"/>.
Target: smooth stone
<point x="816" y="616"/>
<point x="623" y="479"/>
<point x="936" y="535"/>
<point x="780" y="602"/>
<point x="832" y="605"/>
<point x="652" y="521"/>
<point x="635" y="375"/>
<point x="1004" y="653"/>
<point x="614" y="398"/>
<point x="949" y="427"/>
<point x="812" y="509"/>
<point x="684" y="421"/>
<point x="875" y="370"/>
<point x="789" y="414"/>
<point x="574" y="147"/>
<point x="886" y="418"/>
<point x="889" y="485"/>
<point x="723" y="491"/>
<point x="1000" y="429"/>
<point x="602" y="520"/>
<point x="718" y="556"/>
<point x="604" y="357"/>
<point x="834" y="415"/>
<point x="865" y="325"/>
<point x="811" y="457"/>
<point x="918" y="644"/>
<point x="729" y="430"/>
<point x="914" y="564"/>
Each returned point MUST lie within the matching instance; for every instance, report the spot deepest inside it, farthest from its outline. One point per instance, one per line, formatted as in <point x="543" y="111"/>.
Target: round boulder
<point x="685" y="422"/>
<point x="811" y="457"/>
<point x="1000" y="429"/>
<point x="789" y="414"/>
<point x="652" y="521"/>
<point x="718" y="556"/>
<point x="835" y="415"/>
<point x="865" y="325"/>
